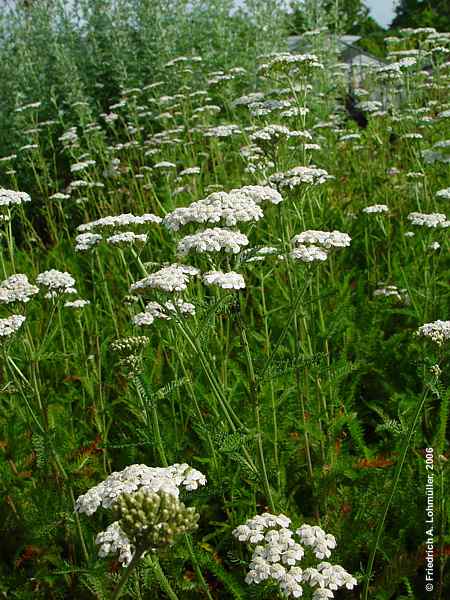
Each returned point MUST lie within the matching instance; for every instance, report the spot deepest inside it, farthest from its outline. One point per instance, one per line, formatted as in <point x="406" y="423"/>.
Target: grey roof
<point x="350" y="53"/>
<point x="349" y="39"/>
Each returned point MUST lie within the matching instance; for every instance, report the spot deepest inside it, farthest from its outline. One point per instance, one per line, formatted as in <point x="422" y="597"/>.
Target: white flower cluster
<point x="116" y="221"/>
<point x="277" y="555"/>
<point x="375" y="208"/>
<point x="81" y="166"/>
<point x="59" y="196"/>
<point x="443" y="194"/>
<point x="431" y="220"/>
<point x="287" y="62"/>
<point x="300" y="176"/>
<point x="315" y="538"/>
<point x="189" y="171"/>
<point x="165" y="164"/>
<point x="127" y="238"/>
<point x="173" y="278"/>
<point x="270" y="133"/>
<point x="222" y="131"/>
<point x="438" y="331"/>
<point x="16" y="288"/>
<point x="132" y="479"/>
<point x="10" y="325"/>
<point x="329" y="578"/>
<point x="10" y="197"/>
<point x="325" y="239"/>
<point x="227" y="281"/>
<point x="136" y="477"/>
<point x="80" y="303"/>
<point x="401" y="295"/>
<point x="250" y="99"/>
<point x="275" y="133"/>
<point x="266" y="107"/>
<point x="213" y="240"/>
<point x="20" y="109"/>
<point x="114" y="541"/>
<point x="57" y="282"/>
<point x="369" y="106"/>
<point x="258" y="254"/>
<point x="154" y="310"/>
<point x="260" y="194"/>
<point x="308" y="253"/>
<point x="85" y="241"/>
<point x="230" y="208"/>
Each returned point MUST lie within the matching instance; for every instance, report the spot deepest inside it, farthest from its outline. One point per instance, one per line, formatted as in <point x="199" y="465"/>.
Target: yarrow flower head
<point x="173" y="278"/>
<point x="258" y="254"/>
<point x="430" y="220"/>
<point x="213" y="240"/>
<point x="10" y="325"/>
<point x="285" y="63"/>
<point x="86" y="241"/>
<point x="375" y="208"/>
<point x="11" y="197"/>
<point x="320" y="542"/>
<point x="155" y="310"/>
<point x="438" y="331"/>
<point x="77" y="304"/>
<point x="445" y="194"/>
<point x="325" y="239"/>
<point x="227" y="281"/>
<point x="152" y="520"/>
<point x="16" y="288"/>
<point x="392" y="291"/>
<point x="278" y="555"/>
<point x="299" y="176"/>
<point x="131" y="489"/>
<point x="117" y="221"/>
<point x="260" y="194"/>
<point x="129" y="345"/>
<point x="139" y="476"/>
<point x="308" y="253"/>
<point x="219" y="206"/>
<point x="127" y="238"/>
<point x="57" y="282"/>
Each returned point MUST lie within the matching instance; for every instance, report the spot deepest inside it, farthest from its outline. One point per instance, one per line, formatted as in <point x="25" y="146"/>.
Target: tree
<point x="344" y="16"/>
<point x="423" y="13"/>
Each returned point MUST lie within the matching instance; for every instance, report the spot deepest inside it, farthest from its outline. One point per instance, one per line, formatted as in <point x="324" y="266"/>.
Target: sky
<point x="381" y="10"/>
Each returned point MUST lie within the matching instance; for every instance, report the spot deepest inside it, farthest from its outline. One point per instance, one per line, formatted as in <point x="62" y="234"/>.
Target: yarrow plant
<point x="133" y="479"/>
<point x="279" y="551"/>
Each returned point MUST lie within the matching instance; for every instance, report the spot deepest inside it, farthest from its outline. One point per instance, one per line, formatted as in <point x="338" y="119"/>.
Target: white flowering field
<point x="224" y="304"/>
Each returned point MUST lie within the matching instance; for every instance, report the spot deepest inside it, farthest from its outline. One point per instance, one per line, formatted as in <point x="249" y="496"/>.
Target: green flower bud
<point x="153" y="519"/>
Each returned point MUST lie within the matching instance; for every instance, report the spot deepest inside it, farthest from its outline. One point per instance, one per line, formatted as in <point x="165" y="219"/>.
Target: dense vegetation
<point x="296" y="359"/>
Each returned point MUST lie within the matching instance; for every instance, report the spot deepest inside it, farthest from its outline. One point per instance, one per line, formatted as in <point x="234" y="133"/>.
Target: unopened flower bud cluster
<point x="153" y="519"/>
<point x="143" y="480"/>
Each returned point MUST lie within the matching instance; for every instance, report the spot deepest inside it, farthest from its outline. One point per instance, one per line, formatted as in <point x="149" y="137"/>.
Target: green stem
<point x="197" y="567"/>
<point x="406" y="444"/>
<point x="137" y="556"/>
<point x="255" y="397"/>
<point x="162" y="579"/>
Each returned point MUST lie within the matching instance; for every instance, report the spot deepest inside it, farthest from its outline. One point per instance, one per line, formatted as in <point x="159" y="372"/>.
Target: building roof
<point x="350" y="53"/>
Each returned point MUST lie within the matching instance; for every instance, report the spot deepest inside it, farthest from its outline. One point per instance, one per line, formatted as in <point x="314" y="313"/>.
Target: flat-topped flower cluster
<point x="279" y="551"/>
<point x="133" y="479"/>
